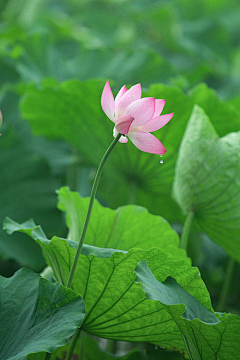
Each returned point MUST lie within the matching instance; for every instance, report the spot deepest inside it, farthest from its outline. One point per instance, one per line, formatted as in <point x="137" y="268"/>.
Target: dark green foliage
<point x="55" y="57"/>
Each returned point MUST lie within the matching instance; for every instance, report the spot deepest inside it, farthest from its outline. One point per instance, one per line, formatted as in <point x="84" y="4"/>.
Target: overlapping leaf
<point x="116" y="307"/>
<point x="206" y="337"/>
<point x="36" y="315"/>
<point x="207" y="181"/>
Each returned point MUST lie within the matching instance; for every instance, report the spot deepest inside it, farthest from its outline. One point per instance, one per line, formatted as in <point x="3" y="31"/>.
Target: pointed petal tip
<point x="157" y="123"/>
<point x="146" y="142"/>
<point x="107" y="101"/>
<point x="163" y="151"/>
<point x="159" y="105"/>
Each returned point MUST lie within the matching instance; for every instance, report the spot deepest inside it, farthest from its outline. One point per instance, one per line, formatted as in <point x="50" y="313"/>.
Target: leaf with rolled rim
<point x="207" y="181"/>
<point x="206" y="336"/>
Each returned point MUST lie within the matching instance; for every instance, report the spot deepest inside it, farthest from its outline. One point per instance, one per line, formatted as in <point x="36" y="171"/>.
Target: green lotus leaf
<point x="207" y="181"/>
<point x="36" y="315"/>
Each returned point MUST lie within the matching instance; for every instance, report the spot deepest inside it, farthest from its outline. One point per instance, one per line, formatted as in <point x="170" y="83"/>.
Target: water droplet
<point x="161" y="161"/>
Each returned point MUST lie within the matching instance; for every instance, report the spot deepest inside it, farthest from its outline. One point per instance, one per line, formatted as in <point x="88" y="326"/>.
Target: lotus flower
<point x="135" y="118"/>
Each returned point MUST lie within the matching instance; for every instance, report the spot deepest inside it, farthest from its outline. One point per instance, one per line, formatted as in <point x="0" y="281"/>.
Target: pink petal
<point x="107" y="101"/>
<point x="156" y="123"/>
<point x="133" y="94"/>
<point x="142" y="110"/>
<point x="159" y="105"/>
<point x="121" y="92"/>
<point x="146" y="142"/>
<point x="123" y="124"/>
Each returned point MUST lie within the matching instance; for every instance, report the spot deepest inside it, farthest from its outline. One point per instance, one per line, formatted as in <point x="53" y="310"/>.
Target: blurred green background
<point x="179" y="43"/>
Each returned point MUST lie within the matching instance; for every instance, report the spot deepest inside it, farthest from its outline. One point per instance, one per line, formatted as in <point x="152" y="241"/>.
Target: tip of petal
<point x="146" y="142"/>
<point x="159" y="105"/>
<point x="107" y="101"/>
<point x="163" y="151"/>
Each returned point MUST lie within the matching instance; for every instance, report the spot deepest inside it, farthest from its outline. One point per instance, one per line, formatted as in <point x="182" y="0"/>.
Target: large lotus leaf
<point x="72" y="111"/>
<point x="206" y="337"/>
<point x="124" y="228"/>
<point x="116" y="307"/>
<point x="207" y="181"/>
<point x="36" y="315"/>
